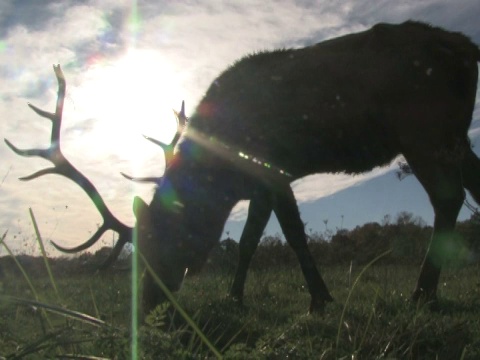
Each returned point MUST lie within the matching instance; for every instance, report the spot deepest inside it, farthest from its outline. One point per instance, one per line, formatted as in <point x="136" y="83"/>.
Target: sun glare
<point x="134" y="95"/>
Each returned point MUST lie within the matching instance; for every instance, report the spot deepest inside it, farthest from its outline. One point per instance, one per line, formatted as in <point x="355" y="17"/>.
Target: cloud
<point x="195" y="41"/>
<point x="314" y="187"/>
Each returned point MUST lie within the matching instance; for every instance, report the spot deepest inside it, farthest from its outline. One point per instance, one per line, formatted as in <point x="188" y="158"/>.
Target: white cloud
<point x="322" y="185"/>
<point x="317" y="186"/>
<point x="195" y="40"/>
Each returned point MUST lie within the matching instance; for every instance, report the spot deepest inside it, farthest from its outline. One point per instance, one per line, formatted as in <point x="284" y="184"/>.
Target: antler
<point x="63" y="167"/>
<point x="167" y="148"/>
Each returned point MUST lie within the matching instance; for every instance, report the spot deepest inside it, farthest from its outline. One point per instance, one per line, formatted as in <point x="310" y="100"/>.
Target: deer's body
<point x="343" y="105"/>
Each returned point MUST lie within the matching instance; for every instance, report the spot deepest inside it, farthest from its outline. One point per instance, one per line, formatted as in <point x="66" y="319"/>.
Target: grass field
<point x="371" y="317"/>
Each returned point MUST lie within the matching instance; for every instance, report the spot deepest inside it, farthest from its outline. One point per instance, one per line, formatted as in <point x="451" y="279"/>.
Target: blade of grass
<point x="35" y="346"/>
<point x="95" y="307"/>
<point x="22" y="270"/>
<point x="44" y="254"/>
<point x="234" y="337"/>
<point x="355" y="283"/>
<point x="58" y="310"/>
<point x="81" y="357"/>
<point x="369" y="321"/>
<point x="178" y="307"/>
<point x="24" y="273"/>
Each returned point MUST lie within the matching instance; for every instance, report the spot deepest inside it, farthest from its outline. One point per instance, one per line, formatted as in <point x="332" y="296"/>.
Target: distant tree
<point x="273" y="251"/>
<point x="224" y="256"/>
<point x="470" y="232"/>
<point x="320" y="247"/>
<point x="342" y="248"/>
<point x="370" y="241"/>
<point x="409" y="238"/>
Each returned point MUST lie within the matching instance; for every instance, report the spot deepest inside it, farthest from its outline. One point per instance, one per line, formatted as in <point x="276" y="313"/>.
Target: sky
<point x="129" y="63"/>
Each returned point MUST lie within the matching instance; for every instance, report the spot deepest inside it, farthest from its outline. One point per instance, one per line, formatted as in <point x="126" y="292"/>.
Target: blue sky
<point x="128" y="63"/>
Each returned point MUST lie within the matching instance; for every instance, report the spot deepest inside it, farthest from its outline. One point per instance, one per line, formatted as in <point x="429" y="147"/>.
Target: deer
<point x="344" y="105"/>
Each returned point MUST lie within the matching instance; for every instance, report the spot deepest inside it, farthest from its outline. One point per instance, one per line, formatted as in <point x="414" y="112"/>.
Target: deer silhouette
<point x="343" y="105"/>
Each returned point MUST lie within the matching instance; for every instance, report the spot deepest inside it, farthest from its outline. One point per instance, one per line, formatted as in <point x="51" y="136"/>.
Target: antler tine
<point x="38" y="174"/>
<point x="168" y="149"/>
<point x="181" y="117"/>
<point x="84" y="245"/>
<point x="44" y="153"/>
<point x="43" y="113"/>
<point x="63" y="167"/>
<point x="181" y="123"/>
<point x="158" y="142"/>
<point x="123" y="238"/>
<point x="151" y="179"/>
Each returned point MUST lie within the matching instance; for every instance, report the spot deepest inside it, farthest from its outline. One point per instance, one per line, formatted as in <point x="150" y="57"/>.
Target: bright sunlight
<point x="133" y="96"/>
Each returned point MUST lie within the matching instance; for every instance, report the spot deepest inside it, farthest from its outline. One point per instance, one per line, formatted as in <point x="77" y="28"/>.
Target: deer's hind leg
<point x="441" y="176"/>
<point x="286" y="209"/>
<point x="471" y="174"/>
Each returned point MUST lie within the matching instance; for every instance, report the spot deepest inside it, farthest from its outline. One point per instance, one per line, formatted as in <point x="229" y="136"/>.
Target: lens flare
<point x="134" y="25"/>
<point x="135" y="295"/>
<point x="134" y="22"/>
<point x="169" y="197"/>
<point x="192" y="150"/>
<point x="449" y="249"/>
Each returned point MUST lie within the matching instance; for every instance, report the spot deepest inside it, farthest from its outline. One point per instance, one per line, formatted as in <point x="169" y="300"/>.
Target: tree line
<point x="407" y="236"/>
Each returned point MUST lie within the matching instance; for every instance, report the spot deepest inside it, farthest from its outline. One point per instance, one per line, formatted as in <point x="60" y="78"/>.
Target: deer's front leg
<point x="286" y="209"/>
<point x="259" y="212"/>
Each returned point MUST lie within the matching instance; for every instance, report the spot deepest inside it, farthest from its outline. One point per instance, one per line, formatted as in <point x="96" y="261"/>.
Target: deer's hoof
<point x="317" y="306"/>
<point x="421" y="297"/>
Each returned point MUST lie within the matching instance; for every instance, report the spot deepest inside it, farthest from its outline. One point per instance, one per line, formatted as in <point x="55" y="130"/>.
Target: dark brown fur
<point x="343" y="105"/>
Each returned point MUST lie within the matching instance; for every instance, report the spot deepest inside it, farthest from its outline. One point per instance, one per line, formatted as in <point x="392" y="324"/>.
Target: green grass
<point x="371" y="320"/>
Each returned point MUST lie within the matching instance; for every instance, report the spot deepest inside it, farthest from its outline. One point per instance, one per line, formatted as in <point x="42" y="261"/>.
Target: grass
<point x="371" y="317"/>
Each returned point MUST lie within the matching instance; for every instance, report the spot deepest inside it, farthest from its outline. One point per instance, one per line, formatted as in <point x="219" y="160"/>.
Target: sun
<point x="131" y="96"/>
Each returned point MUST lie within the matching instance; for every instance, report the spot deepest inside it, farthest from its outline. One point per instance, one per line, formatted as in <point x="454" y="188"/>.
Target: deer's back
<point x="346" y="104"/>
